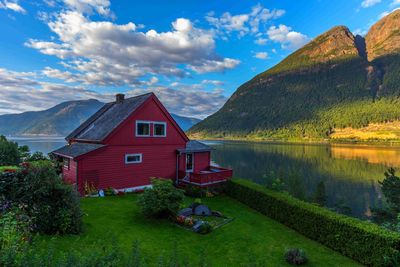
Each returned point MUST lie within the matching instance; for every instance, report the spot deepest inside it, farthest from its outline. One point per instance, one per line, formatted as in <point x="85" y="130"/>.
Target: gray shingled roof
<point x="76" y="149"/>
<point x="195" y="146"/>
<point x="104" y="121"/>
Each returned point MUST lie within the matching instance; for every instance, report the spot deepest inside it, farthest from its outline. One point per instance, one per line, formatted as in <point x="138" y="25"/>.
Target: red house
<point x="129" y="141"/>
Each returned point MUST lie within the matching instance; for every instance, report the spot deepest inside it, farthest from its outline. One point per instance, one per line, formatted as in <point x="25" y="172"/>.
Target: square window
<point x="159" y="129"/>
<point x="133" y="158"/>
<point x="142" y="129"/>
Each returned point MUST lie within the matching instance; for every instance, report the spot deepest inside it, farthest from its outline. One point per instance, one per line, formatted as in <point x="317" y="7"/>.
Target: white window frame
<point x="68" y="165"/>
<point x="189" y="170"/>
<point x="144" y="135"/>
<point x="133" y="162"/>
<point x="165" y="128"/>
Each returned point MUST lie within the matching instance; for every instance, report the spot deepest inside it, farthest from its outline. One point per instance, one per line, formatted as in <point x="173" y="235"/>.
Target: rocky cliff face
<point x="384" y="37"/>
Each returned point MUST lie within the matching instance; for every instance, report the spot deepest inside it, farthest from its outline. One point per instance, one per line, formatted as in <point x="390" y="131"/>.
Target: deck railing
<point x="211" y="176"/>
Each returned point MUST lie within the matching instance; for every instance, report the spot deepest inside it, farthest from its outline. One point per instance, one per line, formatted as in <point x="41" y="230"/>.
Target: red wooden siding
<point x="201" y="161"/>
<point x="125" y="135"/>
<point x="69" y="175"/>
<point x="113" y="172"/>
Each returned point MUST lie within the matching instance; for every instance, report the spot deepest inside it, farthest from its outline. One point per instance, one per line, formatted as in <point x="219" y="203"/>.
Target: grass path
<point x="250" y="236"/>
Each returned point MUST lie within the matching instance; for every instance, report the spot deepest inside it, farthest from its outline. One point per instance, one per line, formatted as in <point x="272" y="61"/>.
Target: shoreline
<point x="344" y="142"/>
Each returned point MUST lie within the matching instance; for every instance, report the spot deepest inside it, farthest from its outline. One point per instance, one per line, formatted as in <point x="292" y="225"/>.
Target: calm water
<point x="350" y="172"/>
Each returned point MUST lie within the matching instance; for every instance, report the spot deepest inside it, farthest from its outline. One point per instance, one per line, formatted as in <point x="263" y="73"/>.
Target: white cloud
<point x="90" y="6"/>
<point x="359" y="31"/>
<point x="104" y="53"/>
<point x="22" y="91"/>
<point x="261" y="41"/>
<point x="384" y="14"/>
<point x="369" y="3"/>
<point x="215" y="65"/>
<point x="247" y="23"/>
<point x="213" y="82"/>
<point x="12" y="5"/>
<point x="261" y="55"/>
<point x="186" y="100"/>
<point x="286" y="37"/>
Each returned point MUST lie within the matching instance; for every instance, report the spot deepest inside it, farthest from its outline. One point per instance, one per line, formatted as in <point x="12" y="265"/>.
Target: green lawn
<point x="250" y="236"/>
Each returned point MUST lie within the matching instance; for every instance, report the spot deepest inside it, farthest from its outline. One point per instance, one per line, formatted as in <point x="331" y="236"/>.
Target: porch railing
<point x="213" y="175"/>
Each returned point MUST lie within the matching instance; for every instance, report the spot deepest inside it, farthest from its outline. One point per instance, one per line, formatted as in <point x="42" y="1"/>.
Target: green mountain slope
<point x="61" y="119"/>
<point x="338" y="80"/>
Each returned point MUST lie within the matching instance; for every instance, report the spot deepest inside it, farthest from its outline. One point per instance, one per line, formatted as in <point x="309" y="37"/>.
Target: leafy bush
<point x="391" y="189"/>
<point x="9" y="153"/>
<point x="363" y="241"/>
<point x="295" y="256"/>
<point x="52" y="205"/>
<point x="162" y="200"/>
<point x="37" y="156"/>
<point x="194" y="191"/>
<point x="14" y="234"/>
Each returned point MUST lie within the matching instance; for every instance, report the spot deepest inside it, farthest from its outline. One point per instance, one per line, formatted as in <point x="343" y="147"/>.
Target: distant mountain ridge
<point x="61" y="119"/>
<point x="336" y="81"/>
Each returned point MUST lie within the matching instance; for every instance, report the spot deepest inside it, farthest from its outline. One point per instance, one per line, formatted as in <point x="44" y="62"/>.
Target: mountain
<point x="185" y="122"/>
<point x="336" y="81"/>
<point x="61" y="119"/>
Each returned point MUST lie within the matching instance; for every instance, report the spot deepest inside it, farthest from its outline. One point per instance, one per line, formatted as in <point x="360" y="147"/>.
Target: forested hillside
<point x="338" y="80"/>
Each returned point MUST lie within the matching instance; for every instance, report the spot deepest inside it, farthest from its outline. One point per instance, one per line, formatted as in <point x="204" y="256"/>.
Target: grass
<point x="250" y="236"/>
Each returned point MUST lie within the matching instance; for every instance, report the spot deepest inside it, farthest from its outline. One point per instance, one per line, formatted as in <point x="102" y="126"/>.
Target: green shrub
<point x="295" y="256"/>
<point x="162" y="200"/>
<point x="194" y="191"/>
<point x="37" y="156"/>
<point x="53" y="206"/>
<point x="363" y="241"/>
<point x="14" y="235"/>
<point x="9" y="153"/>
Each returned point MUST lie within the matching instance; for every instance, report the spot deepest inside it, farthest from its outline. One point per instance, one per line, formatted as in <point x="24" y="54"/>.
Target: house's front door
<point x="189" y="162"/>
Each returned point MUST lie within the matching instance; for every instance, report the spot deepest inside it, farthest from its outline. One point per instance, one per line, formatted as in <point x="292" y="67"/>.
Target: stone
<point x="202" y="210"/>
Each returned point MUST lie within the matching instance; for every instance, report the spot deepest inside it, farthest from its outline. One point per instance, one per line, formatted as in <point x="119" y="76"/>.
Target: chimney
<point x="119" y="98"/>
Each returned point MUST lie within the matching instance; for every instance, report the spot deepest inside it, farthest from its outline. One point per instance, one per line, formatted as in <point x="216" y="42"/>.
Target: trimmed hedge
<point x="360" y="240"/>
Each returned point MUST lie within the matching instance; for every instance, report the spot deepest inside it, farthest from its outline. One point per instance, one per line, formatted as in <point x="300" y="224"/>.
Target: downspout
<point x="76" y="176"/>
<point x="177" y="168"/>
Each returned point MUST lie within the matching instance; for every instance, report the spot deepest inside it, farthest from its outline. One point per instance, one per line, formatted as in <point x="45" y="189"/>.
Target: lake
<point x="350" y="172"/>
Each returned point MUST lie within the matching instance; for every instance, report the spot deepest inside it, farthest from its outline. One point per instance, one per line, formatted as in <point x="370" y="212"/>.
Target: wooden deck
<point x="212" y="176"/>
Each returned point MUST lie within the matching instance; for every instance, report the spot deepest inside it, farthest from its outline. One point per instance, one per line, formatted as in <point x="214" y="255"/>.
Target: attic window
<point x="142" y="128"/>
<point x="160" y="129"/>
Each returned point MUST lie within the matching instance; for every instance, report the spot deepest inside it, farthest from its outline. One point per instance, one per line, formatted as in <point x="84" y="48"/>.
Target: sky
<point x="192" y="54"/>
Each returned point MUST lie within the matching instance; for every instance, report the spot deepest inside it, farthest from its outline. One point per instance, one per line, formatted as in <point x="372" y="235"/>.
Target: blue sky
<point x="192" y="54"/>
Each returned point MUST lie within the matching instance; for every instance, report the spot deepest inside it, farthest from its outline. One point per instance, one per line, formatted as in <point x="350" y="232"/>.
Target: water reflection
<point x="350" y="173"/>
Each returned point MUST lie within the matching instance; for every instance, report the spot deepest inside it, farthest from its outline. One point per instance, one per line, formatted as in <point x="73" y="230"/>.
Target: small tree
<point x="391" y="189"/>
<point x="9" y="153"/>
<point x="320" y="194"/>
<point x="162" y="200"/>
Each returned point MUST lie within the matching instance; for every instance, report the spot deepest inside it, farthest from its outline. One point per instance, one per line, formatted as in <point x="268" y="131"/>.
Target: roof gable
<point x="107" y="119"/>
<point x="141" y="109"/>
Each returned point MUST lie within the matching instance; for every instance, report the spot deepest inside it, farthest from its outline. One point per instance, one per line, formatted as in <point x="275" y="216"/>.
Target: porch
<point x="211" y="176"/>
